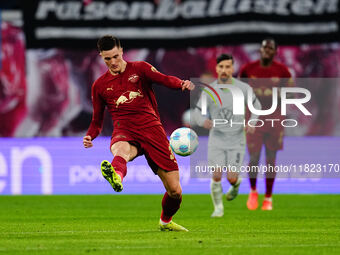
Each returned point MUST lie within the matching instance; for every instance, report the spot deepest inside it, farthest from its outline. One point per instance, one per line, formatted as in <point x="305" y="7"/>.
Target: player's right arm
<point x="97" y="117"/>
<point x="202" y="121"/>
<point x="87" y="141"/>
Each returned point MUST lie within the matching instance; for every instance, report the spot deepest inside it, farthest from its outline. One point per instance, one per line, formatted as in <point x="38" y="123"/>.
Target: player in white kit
<point x="227" y="140"/>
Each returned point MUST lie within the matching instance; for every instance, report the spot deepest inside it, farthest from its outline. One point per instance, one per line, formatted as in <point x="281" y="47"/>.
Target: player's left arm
<point x="287" y="76"/>
<point x="152" y="74"/>
<point x="199" y="119"/>
<point x="286" y="80"/>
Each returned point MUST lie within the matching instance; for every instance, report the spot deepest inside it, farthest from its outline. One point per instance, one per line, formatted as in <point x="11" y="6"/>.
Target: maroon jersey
<point x="129" y="97"/>
<point x="263" y="79"/>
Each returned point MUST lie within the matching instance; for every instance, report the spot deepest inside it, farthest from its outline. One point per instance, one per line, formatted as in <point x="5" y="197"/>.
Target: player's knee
<point x="217" y="178"/>
<point x="175" y="192"/>
<point x="254" y="159"/>
<point x="232" y="180"/>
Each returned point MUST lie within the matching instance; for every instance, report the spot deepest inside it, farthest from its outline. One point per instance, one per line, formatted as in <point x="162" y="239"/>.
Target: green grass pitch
<point x="128" y="224"/>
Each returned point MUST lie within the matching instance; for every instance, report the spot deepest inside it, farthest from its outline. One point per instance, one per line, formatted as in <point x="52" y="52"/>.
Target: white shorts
<point x="225" y="157"/>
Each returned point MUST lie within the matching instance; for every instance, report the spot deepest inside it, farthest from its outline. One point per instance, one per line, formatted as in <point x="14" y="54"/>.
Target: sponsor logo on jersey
<point x="127" y="97"/>
<point x="133" y="78"/>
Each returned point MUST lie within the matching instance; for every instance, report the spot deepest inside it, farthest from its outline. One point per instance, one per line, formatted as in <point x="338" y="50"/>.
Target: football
<point x="184" y="141"/>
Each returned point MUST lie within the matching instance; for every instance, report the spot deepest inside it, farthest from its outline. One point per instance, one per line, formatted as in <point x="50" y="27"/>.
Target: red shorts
<point x="152" y="142"/>
<point x="271" y="137"/>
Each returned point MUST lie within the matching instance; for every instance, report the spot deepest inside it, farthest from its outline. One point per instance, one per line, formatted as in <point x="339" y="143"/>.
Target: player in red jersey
<point x="268" y="135"/>
<point x="126" y="90"/>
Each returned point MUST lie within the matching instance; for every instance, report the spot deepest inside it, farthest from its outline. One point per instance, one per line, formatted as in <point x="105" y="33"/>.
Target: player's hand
<point x="87" y="141"/>
<point x="187" y="85"/>
<point x="250" y="130"/>
<point x="208" y="124"/>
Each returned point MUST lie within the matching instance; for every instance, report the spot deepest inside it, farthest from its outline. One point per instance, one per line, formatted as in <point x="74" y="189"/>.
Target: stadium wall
<point x="63" y="166"/>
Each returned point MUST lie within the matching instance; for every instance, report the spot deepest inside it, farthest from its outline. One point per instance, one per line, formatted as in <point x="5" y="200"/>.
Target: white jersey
<point x="224" y="135"/>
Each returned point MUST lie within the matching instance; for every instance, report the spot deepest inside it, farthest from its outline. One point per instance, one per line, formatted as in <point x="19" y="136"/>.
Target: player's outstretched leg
<point x="111" y="176"/>
<point x="171" y="200"/>
<point x="233" y="190"/>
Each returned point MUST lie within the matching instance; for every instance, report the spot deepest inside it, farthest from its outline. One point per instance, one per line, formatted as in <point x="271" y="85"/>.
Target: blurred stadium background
<point x="49" y="61"/>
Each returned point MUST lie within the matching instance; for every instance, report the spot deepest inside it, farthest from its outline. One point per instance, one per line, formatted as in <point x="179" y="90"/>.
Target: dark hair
<point x="271" y="39"/>
<point x="108" y="42"/>
<point x="224" y="57"/>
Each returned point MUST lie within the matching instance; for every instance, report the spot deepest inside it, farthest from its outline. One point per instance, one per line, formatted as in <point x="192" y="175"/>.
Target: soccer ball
<point x="184" y="141"/>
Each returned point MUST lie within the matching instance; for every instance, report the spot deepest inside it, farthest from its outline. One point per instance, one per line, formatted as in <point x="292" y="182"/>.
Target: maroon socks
<point x="119" y="164"/>
<point x="169" y="207"/>
<point x="270" y="177"/>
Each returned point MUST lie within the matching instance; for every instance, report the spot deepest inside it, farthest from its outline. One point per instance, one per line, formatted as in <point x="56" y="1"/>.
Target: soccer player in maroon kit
<point x="126" y="90"/>
<point x="270" y="136"/>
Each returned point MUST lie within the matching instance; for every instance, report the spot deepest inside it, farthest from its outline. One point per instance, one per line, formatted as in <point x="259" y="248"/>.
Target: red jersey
<point x="263" y="87"/>
<point x="129" y="97"/>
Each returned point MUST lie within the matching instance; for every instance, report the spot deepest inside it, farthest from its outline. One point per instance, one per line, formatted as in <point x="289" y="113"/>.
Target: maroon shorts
<point x="152" y="142"/>
<point x="271" y="137"/>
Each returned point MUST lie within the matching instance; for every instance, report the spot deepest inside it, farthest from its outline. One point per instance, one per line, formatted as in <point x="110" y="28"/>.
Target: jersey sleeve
<point x="98" y="113"/>
<point x="285" y="72"/>
<point x="243" y="72"/>
<point x="153" y="75"/>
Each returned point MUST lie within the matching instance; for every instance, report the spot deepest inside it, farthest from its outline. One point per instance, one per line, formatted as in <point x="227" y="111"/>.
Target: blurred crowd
<point x="47" y="92"/>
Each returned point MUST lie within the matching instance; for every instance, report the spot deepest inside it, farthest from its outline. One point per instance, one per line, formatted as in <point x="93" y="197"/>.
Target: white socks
<point x="216" y="194"/>
<point x="268" y="199"/>
<point x="164" y="223"/>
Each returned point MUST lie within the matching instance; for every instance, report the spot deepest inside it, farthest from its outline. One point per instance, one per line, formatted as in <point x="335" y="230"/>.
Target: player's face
<point x="267" y="50"/>
<point x="113" y="59"/>
<point x="225" y="70"/>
